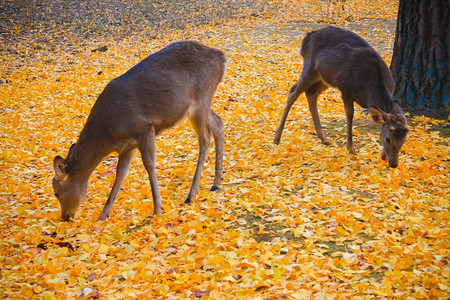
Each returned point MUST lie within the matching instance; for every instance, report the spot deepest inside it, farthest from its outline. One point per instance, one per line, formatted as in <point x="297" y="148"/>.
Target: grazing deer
<point x="159" y="92"/>
<point x="339" y="58"/>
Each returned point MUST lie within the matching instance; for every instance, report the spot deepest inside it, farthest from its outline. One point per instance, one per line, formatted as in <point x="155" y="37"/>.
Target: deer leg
<point x="215" y="125"/>
<point x="349" y="110"/>
<point x="307" y="78"/>
<point x="123" y="166"/>
<point x="383" y="154"/>
<point x="312" y="94"/>
<point x="200" y="124"/>
<point x="147" y="148"/>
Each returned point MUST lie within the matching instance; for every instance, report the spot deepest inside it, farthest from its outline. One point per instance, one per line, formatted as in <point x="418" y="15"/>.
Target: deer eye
<point x="388" y="140"/>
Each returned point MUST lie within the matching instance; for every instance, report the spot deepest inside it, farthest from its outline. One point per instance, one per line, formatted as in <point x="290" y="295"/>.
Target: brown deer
<point x="339" y="58"/>
<point x="159" y="92"/>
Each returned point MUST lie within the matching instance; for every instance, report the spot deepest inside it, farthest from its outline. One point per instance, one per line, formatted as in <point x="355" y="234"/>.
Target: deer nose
<point x="393" y="165"/>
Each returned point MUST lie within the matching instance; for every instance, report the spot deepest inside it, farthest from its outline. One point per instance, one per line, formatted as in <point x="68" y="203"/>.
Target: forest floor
<point x="298" y="220"/>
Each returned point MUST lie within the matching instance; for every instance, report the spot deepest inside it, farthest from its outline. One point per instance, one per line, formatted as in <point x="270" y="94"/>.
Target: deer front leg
<point x="349" y="111"/>
<point x="123" y="166"/>
<point x="147" y="148"/>
<point x="383" y="154"/>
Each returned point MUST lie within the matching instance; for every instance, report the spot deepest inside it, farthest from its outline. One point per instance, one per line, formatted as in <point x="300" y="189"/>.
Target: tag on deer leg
<point x="321" y="136"/>
<point x="326" y="143"/>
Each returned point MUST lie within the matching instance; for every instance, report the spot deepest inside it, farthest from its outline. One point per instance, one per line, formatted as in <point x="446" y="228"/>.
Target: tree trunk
<point x="420" y="62"/>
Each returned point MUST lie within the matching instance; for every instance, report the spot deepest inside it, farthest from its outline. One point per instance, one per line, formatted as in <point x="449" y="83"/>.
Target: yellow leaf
<point x="276" y="273"/>
<point x="103" y="249"/>
<point x="298" y="232"/>
<point x="218" y="260"/>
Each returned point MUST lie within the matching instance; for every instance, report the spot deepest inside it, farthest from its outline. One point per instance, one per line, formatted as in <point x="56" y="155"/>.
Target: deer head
<point x="69" y="191"/>
<point x="393" y="130"/>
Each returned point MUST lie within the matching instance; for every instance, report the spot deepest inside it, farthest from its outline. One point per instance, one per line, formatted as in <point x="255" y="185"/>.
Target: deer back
<point x="158" y="90"/>
<point x="346" y="61"/>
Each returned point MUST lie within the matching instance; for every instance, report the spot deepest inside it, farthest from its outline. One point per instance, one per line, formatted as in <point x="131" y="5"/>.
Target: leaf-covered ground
<point x="297" y="220"/>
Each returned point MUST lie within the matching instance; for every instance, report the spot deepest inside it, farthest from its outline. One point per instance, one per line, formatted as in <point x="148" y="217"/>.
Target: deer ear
<point x="60" y="166"/>
<point x="378" y="115"/>
<point x="70" y="150"/>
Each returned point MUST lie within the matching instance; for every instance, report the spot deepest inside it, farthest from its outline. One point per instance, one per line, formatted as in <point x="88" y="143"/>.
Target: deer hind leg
<point x="312" y="94"/>
<point x="307" y="78"/>
<point x="123" y="166"/>
<point x="215" y="125"/>
<point x="147" y="148"/>
<point x="349" y="111"/>
<point x="199" y="120"/>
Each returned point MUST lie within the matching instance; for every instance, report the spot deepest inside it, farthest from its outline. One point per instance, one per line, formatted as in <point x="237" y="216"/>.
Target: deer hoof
<point x="327" y="143"/>
<point x="187" y="201"/>
<point x="276" y="139"/>
<point x="102" y="218"/>
<point x="214" y="188"/>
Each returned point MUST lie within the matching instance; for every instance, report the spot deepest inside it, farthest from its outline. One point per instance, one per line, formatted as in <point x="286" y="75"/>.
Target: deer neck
<point x="84" y="157"/>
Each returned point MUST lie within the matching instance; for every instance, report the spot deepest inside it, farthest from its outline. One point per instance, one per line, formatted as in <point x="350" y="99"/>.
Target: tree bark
<point x="420" y="62"/>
